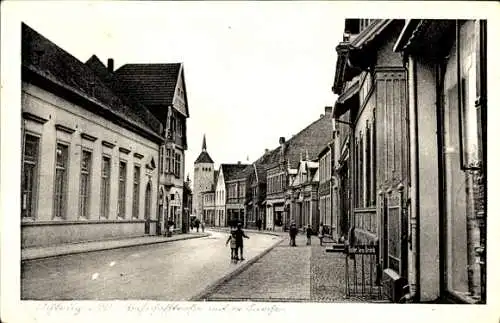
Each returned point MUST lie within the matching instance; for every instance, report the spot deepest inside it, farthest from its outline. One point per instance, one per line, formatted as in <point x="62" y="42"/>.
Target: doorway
<point x="147" y="208"/>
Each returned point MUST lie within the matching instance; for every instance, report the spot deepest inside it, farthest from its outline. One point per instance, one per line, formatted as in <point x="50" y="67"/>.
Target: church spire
<point x="204" y="145"/>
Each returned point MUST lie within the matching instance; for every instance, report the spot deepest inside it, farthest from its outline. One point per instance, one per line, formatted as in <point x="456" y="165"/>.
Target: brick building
<point x="312" y="138"/>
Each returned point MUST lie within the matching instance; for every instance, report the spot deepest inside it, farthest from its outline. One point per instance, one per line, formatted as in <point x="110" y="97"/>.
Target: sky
<point x="254" y="71"/>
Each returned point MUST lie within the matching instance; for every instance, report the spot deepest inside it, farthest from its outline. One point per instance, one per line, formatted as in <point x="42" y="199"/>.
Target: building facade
<point x="220" y="199"/>
<point x="162" y="89"/>
<point x="371" y="83"/>
<point x="325" y="191"/>
<point x="80" y="139"/>
<point x="304" y="200"/>
<point x="235" y="180"/>
<point x="208" y="208"/>
<point x="408" y="122"/>
<point x="203" y="179"/>
<point x="446" y="63"/>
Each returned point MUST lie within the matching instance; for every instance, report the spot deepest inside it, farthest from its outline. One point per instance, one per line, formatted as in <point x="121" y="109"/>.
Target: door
<point x="395" y="241"/>
<point x="147" y="208"/>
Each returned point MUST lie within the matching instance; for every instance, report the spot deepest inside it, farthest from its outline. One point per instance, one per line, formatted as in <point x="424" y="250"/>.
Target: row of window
<point x="325" y="167"/>
<point x="276" y="183"/>
<point x="236" y="190"/>
<point x="209" y="198"/>
<point x="30" y="172"/>
<point x="170" y="161"/>
<point x="365" y="168"/>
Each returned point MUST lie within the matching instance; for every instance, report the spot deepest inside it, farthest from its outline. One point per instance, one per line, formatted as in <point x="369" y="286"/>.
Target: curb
<point x="66" y="253"/>
<point x="202" y="296"/>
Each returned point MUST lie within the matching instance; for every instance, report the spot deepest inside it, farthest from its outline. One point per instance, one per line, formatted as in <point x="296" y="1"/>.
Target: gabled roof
<point x="311" y="140"/>
<point x="204" y="157"/>
<point x="152" y="84"/>
<point x="44" y="59"/>
<point x="95" y="64"/>
<point x="235" y="171"/>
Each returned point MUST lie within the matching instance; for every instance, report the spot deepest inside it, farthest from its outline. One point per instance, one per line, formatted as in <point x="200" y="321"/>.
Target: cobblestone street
<point x="301" y="274"/>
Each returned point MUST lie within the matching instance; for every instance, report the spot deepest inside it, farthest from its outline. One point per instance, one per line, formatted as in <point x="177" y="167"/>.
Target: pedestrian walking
<point x="321" y="233"/>
<point x="197" y="225"/>
<point x="232" y="241"/>
<point x="259" y="223"/>
<point x="309" y="232"/>
<point x="293" y="234"/>
<point x="240" y="234"/>
<point x="202" y="226"/>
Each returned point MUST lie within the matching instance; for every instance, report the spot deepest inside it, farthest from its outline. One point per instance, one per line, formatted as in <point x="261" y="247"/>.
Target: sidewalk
<point x="82" y="247"/>
<point x="290" y="274"/>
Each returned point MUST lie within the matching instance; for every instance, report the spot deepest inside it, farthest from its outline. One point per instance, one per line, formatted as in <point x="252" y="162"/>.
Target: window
<point x="121" y="189"/>
<point x="162" y="159"/>
<point x="177" y="165"/>
<point x="60" y="186"/>
<point x="137" y="181"/>
<point x="30" y="175"/>
<point x="169" y="163"/>
<point x="85" y="167"/>
<point x="105" y="176"/>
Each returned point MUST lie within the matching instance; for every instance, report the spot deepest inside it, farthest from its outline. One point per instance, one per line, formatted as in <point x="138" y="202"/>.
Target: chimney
<point x="111" y="65"/>
<point x="328" y="111"/>
<point x="282" y="140"/>
<point x="239" y="162"/>
<point x="267" y="150"/>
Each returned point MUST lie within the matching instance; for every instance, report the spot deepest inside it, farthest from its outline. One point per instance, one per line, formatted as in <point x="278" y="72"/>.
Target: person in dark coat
<point x="197" y="225"/>
<point x="309" y="232"/>
<point x="293" y="234"/>
<point x="259" y="224"/>
<point x="240" y="234"/>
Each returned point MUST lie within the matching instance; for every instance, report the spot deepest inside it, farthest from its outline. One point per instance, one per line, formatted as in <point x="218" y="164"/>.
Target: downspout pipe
<point x="414" y="178"/>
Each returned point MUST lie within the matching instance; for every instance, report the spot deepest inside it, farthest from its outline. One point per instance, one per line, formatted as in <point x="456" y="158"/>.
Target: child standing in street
<point x="232" y="241"/>
<point x="309" y="232"/>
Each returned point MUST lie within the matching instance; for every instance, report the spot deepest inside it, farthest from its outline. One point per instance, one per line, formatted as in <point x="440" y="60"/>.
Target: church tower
<point x="203" y="180"/>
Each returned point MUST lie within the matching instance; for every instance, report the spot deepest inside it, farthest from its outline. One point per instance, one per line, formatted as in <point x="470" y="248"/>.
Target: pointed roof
<point x="152" y="84"/>
<point x="204" y="157"/>
<point x="204" y="144"/>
